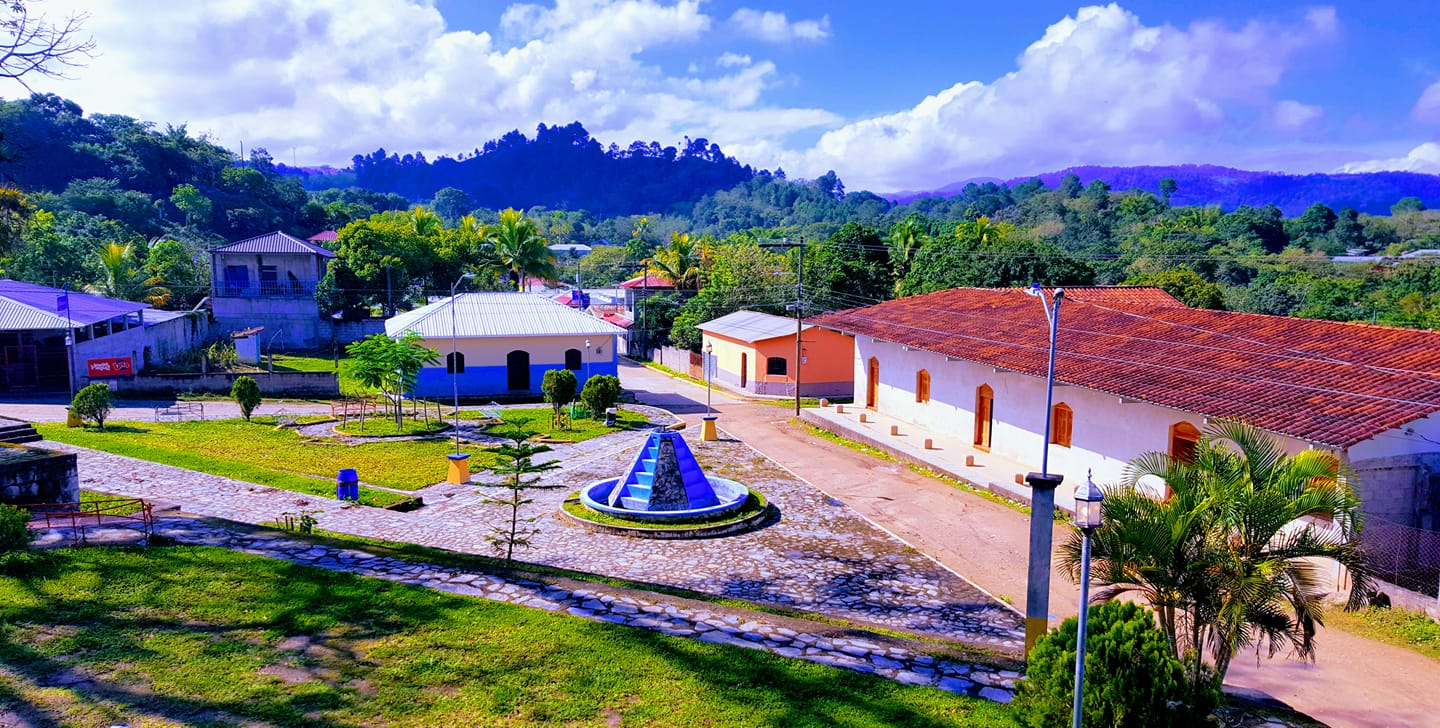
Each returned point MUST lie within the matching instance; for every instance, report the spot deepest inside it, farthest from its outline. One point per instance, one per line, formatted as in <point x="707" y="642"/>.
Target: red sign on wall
<point x="116" y="367"/>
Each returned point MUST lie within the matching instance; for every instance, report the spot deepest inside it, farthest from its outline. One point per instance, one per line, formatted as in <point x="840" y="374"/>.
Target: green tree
<point x="850" y="268"/>
<point x="559" y="386"/>
<point x="1225" y="560"/>
<point x="604" y="266"/>
<point x="521" y="249"/>
<point x="390" y="366"/>
<point x="192" y="202"/>
<point x="516" y="463"/>
<point x="15" y="213"/>
<point x="1406" y="205"/>
<point x="1185" y="285"/>
<point x="600" y="393"/>
<point x="122" y="277"/>
<point x="1131" y="675"/>
<point x="1168" y="188"/>
<point x="246" y="393"/>
<point x="452" y="204"/>
<point x="93" y="402"/>
<point x="681" y="261"/>
<point x="183" y="271"/>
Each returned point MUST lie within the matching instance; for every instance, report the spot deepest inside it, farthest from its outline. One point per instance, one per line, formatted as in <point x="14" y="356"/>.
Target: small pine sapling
<point x="515" y="468"/>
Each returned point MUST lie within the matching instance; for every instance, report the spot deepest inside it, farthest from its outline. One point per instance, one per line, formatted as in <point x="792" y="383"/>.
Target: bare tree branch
<point x="32" y="45"/>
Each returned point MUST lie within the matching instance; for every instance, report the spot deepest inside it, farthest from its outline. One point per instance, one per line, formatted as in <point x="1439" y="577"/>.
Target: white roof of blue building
<point x="751" y="326"/>
<point x="499" y="314"/>
<point x="275" y="243"/>
<point x="27" y="306"/>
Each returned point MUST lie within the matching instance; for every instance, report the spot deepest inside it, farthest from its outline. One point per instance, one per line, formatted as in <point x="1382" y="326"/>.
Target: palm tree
<point x="121" y="276"/>
<point x="1225" y="560"/>
<point x="681" y="262"/>
<point x="521" y="248"/>
<point x="906" y="237"/>
<point x="424" y="222"/>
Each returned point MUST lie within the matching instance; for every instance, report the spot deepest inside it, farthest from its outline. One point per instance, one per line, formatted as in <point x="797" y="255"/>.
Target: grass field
<point x="538" y="420"/>
<point x="1395" y="626"/>
<point x="204" y="636"/>
<point x="257" y="452"/>
<point x="304" y="363"/>
<point x="384" y="426"/>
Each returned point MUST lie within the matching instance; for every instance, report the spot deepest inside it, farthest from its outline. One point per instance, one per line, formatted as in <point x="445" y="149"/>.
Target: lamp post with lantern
<point x="1088" y="517"/>
<point x="708" y="430"/>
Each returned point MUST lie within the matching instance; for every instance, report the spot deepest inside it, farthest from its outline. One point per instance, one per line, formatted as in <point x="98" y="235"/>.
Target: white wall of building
<point x="1106" y="433"/>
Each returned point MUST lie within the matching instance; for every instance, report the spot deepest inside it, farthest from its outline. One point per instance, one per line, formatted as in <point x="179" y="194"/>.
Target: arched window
<point x="1184" y="438"/>
<point x="517" y="370"/>
<point x="574" y="360"/>
<point x="1061" y="420"/>
<point x="455" y="363"/>
<point x="984" y="416"/>
<point x="922" y="386"/>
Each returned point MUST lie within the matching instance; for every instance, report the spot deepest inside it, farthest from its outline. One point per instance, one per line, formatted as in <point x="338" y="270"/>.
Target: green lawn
<point x="304" y="363"/>
<point x="257" y="452"/>
<point x="538" y="420"/>
<point x="382" y="426"/>
<point x="205" y="636"/>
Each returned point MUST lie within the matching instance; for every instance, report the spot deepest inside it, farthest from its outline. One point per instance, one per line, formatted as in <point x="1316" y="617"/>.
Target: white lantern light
<point x="1088" y="514"/>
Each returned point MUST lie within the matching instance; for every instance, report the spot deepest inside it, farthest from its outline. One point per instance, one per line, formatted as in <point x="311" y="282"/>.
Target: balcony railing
<point x="265" y="289"/>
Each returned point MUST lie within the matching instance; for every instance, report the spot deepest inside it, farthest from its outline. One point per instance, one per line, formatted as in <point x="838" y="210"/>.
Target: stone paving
<point x="815" y="642"/>
<point x="820" y="556"/>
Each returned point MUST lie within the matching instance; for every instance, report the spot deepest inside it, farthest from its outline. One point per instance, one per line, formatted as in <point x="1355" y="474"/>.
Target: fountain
<point x="666" y="485"/>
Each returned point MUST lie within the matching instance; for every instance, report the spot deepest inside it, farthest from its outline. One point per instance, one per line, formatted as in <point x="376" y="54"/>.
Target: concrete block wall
<point x="36" y="475"/>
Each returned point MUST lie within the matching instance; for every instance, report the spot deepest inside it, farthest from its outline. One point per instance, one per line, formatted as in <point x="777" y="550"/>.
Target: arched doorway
<point x="984" y="416"/>
<point x="744" y="369"/>
<point x="517" y="370"/>
<point x="1184" y="438"/>
<point x="872" y="384"/>
<point x="573" y="360"/>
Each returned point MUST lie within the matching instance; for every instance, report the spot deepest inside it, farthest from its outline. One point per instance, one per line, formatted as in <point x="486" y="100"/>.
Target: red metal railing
<point x="102" y="511"/>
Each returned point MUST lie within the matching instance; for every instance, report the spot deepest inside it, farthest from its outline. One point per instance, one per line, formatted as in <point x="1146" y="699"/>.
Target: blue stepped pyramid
<point x="636" y="490"/>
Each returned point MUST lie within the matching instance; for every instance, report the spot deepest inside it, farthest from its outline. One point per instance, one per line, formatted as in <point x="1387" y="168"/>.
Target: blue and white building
<point x="505" y="342"/>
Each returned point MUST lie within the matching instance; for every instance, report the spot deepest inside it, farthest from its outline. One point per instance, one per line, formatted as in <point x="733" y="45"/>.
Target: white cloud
<point x="731" y="60"/>
<point x="1099" y="87"/>
<point x="1290" y="115"/>
<point x="332" y="78"/>
<point x="775" y="27"/>
<point x="1424" y="158"/>
<point x="1427" y="109"/>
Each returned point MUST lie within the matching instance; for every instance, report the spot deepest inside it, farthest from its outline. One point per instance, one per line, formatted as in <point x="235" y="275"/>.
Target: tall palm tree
<point x="1226" y="560"/>
<point x="122" y="277"/>
<point x="906" y="238"/>
<point x="424" y="222"/>
<point x="521" y="249"/>
<point x="681" y="262"/>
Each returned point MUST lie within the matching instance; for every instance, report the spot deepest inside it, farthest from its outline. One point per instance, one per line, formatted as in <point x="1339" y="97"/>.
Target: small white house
<point x="503" y="343"/>
<point x="1136" y="371"/>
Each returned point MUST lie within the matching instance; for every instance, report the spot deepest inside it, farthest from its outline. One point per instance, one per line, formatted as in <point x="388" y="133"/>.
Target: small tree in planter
<point x="390" y="365"/>
<point x="246" y="393"/>
<point x="600" y="393"/>
<point x="93" y="402"/>
<point x="517" y="464"/>
<point x="559" y="387"/>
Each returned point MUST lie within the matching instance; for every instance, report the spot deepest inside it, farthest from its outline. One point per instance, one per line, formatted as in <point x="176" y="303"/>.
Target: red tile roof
<point x="650" y="281"/>
<point x="623" y="322"/>
<point x="1325" y="382"/>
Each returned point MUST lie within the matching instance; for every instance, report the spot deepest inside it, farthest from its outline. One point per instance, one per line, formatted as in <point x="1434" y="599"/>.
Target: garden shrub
<point x="14" y="536"/>
<point x="1132" y="677"/>
<point x="559" y="387"/>
<point x="93" y="402"/>
<point x="246" y="393"/>
<point x="600" y="394"/>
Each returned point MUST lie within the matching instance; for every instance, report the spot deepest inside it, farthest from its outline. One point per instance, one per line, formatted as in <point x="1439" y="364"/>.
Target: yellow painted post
<point x="459" y="468"/>
<point x="708" y="431"/>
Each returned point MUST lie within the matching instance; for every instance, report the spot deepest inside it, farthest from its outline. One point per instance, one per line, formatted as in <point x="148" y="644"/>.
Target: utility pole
<point x="799" y="304"/>
<point x="389" y="306"/>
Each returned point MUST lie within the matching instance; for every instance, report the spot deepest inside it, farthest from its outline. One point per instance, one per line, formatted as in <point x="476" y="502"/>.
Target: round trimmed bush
<point x="600" y="393"/>
<point x="14" y="536"/>
<point x="1132" y="677"/>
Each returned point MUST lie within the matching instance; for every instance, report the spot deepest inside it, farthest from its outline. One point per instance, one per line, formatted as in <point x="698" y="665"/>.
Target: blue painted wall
<point x="479" y="381"/>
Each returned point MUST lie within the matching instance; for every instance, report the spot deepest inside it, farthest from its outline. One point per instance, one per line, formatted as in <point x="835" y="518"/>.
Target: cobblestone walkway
<point x="816" y="642"/>
<point x="820" y="556"/>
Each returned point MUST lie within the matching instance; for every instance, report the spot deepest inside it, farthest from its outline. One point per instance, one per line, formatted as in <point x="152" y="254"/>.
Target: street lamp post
<point x="708" y="431"/>
<point x="709" y="357"/>
<point x="1088" y="517"/>
<point x="455" y="362"/>
<point x="587" y="360"/>
<point x="1042" y="495"/>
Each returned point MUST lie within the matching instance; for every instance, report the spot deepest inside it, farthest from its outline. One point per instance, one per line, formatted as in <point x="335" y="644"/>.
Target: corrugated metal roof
<point x="275" y="243"/>
<point x="751" y="326"/>
<point x="647" y="281"/>
<point x="498" y="314"/>
<point x="30" y="306"/>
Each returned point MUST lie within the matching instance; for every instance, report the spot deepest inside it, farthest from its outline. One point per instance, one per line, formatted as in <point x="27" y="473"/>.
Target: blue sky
<point x="892" y="96"/>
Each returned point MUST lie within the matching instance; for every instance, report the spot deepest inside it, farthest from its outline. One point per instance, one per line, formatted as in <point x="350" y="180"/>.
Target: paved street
<point x="1355" y="681"/>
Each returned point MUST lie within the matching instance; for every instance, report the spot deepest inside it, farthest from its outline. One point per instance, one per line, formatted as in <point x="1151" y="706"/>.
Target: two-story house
<point x="269" y="280"/>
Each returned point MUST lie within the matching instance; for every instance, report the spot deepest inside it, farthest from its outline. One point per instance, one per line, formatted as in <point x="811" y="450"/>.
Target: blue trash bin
<point x="347" y="485"/>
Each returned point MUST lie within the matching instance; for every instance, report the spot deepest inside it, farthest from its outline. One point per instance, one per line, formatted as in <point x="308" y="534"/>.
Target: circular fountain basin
<point x="732" y="497"/>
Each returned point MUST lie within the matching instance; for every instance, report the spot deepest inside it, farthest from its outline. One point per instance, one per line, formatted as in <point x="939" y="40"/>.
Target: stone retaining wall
<point x="35" y="475"/>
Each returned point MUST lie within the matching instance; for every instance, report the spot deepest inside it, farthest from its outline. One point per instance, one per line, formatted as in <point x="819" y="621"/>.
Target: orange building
<point x="755" y="352"/>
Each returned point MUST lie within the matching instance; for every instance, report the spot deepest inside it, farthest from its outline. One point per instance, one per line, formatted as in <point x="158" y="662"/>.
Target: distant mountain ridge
<point x="1206" y="184"/>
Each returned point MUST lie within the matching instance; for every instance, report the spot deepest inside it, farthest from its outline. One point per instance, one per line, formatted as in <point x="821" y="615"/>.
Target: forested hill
<point x="1204" y="184"/>
<point x="561" y="168"/>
